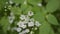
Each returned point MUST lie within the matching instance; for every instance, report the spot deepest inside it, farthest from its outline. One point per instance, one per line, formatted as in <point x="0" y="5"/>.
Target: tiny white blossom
<point x="30" y="13"/>
<point x="39" y="4"/>
<point x="32" y="19"/>
<point x="10" y="1"/>
<point x="10" y="20"/>
<point x="21" y="24"/>
<point x="27" y="30"/>
<point x="37" y="24"/>
<point x="11" y="14"/>
<point x="5" y="9"/>
<point x="36" y="28"/>
<point x="25" y="2"/>
<point x="22" y="17"/>
<point x="30" y="24"/>
<point x="24" y="31"/>
<point x="11" y="17"/>
<point x="31" y="32"/>
<point x="18" y="29"/>
<point x="27" y="18"/>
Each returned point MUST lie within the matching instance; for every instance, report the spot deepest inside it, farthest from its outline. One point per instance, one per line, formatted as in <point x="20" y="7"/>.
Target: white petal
<point x="32" y="19"/>
<point x="18" y="29"/>
<point x="31" y="32"/>
<point x="36" y="28"/>
<point x="39" y="4"/>
<point x="10" y="19"/>
<point x="30" y="13"/>
<point x="25" y="2"/>
<point x="30" y="24"/>
<point x="5" y="9"/>
<point x="22" y="17"/>
<point x="10" y="1"/>
<point x="27" y="30"/>
<point x="27" y="18"/>
<point x="37" y="24"/>
<point x="21" y="24"/>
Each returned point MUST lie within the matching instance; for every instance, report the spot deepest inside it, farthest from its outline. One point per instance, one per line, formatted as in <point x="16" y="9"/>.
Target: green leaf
<point x="16" y="10"/>
<point x="38" y="14"/>
<point x="45" y="28"/>
<point x="5" y="23"/>
<point x="34" y="2"/>
<point x="52" y="5"/>
<point x="52" y="19"/>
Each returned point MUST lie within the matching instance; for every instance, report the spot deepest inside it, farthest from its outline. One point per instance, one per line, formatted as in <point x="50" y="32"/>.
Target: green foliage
<point x="16" y="10"/>
<point x="52" y="5"/>
<point x="52" y="19"/>
<point x="5" y="23"/>
<point x="43" y="14"/>
<point x="45" y="28"/>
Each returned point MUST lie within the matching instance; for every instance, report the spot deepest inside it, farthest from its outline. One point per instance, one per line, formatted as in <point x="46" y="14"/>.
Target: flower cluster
<point x="27" y="24"/>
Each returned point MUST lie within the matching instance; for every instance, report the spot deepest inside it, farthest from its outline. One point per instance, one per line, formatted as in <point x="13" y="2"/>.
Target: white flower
<point x="35" y="28"/>
<point x="32" y="19"/>
<point x="25" y="2"/>
<point x="10" y="20"/>
<point x="31" y="32"/>
<point x="27" y="30"/>
<point x="22" y="17"/>
<point x="37" y="24"/>
<point x="11" y="14"/>
<point x="10" y="1"/>
<point x="24" y="31"/>
<point x="30" y="24"/>
<point x="27" y="18"/>
<point x="11" y="17"/>
<point x="39" y="4"/>
<point x="18" y="29"/>
<point x="30" y="13"/>
<point x="5" y="9"/>
<point x="21" y="24"/>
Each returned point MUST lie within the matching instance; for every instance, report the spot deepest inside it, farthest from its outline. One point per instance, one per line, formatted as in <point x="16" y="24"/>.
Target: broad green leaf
<point x="5" y="23"/>
<point x="45" y="28"/>
<point x="52" y="19"/>
<point x="34" y="2"/>
<point x="52" y="5"/>
<point x="16" y="10"/>
<point x="38" y="14"/>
